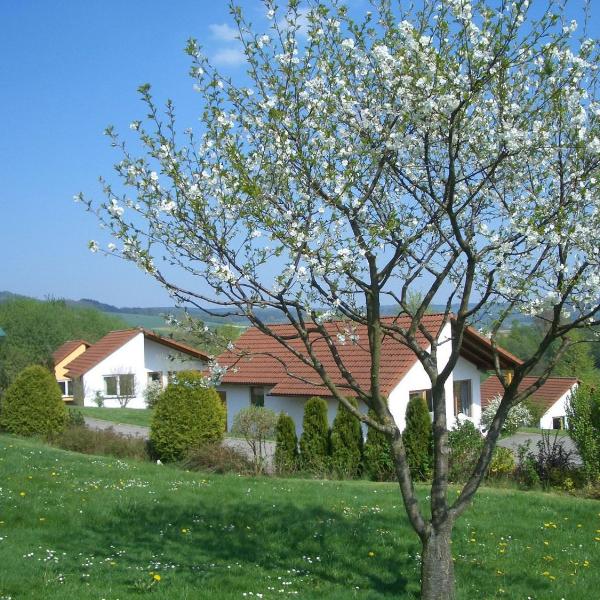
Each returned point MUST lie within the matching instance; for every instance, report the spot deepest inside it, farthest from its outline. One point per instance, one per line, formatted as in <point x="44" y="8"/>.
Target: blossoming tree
<point x="449" y="151"/>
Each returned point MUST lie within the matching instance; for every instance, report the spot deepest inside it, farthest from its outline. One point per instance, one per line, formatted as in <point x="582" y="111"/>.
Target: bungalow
<point x="121" y="365"/>
<point x="259" y="376"/>
<point x="550" y="399"/>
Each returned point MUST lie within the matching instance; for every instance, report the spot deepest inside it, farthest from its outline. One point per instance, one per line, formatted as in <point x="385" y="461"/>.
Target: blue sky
<point x="67" y="70"/>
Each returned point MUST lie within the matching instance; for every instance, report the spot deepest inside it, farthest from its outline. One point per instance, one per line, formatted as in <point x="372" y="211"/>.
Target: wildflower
<point x="371" y="553"/>
<point x="156" y="577"/>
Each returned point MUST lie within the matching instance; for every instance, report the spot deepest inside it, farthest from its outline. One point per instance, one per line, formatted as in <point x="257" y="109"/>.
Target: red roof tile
<point x="544" y="397"/>
<point x="113" y="340"/>
<point x="63" y="351"/>
<point x="265" y="359"/>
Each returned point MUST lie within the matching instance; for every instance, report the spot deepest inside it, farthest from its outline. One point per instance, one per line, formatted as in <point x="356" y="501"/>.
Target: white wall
<point x="558" y="409"/>
<point x="138" y="356"/>
<point x="238" y="396"/>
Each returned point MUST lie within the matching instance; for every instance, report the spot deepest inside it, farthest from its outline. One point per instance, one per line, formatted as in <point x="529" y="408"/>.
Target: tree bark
<point x="437" y="568"/>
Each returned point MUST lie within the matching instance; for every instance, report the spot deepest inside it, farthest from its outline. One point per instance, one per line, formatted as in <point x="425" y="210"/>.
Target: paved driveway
<point x="144" y="433"/>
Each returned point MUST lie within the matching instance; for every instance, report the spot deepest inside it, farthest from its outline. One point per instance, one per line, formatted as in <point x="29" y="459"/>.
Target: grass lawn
<point x="130" y="416"/>
<point x="74" y="526"/>
<point x="552" y="432"/>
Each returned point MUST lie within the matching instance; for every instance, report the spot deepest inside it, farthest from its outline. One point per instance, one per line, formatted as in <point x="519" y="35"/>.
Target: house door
<point x="558" y="423"/>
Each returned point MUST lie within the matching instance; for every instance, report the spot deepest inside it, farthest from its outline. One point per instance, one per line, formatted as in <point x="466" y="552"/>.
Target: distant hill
<point x="152" y="317"/>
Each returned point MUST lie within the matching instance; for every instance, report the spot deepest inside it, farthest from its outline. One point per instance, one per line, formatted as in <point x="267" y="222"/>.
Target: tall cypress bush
<point x="314" y="441"/>
<point x="346" y="443"/>
<point x="286" y="448"/>
<point x="377" y="455"/>
<point x="418" y="439"/>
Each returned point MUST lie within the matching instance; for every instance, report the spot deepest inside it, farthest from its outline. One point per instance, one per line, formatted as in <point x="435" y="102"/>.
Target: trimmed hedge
<point x="314" y="442"/>
<point x="286" y="449"/>
<point x="187" y="415"/>
<point x="418" y="439"/>
<point x="346" y="443"/>
<point x="33" y="405"/>
<point x="377" y="455"/>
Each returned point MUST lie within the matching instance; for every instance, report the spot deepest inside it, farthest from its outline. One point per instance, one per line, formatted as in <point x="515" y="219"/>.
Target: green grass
<point x="129" y="416"/>
<point x="74" y="526"/>
<point x="552" y="432"/>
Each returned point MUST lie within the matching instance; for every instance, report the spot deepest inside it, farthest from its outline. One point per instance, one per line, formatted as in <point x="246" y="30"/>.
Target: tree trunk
<point x="437" y="568"/>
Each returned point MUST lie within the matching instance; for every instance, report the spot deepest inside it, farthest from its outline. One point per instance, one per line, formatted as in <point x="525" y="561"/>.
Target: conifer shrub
<point x="378" y="463"/>
<point x="187" y="415"/>
<point x="314" y="441"/>
<point x="33" y="404"/>
<point x="418" y="439"/>
<point x="346" y="443"/>
<point x="286" y="448"/>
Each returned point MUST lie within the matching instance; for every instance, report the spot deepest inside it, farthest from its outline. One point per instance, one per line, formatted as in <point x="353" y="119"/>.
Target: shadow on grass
<point x="258" y="537"/>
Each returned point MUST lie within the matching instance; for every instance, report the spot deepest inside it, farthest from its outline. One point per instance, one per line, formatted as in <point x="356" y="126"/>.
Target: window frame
<point x="458" y="398"/>
<point x="425" y="394"/>
<point x="117" y="378"/>
<point x="253" y="395"/>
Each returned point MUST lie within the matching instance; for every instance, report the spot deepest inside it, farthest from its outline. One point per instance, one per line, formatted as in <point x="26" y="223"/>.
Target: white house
<point x="120" y="366"/>
<point x="259" y="376"/>
<point x="551" y="398"/>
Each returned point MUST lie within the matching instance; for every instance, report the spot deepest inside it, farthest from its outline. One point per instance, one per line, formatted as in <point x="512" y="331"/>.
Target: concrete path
<point x="518" y="439"/>
<point x="144" y="432"/>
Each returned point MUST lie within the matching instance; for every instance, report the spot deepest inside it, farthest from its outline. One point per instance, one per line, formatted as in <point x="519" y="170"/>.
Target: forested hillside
<point x="34" y="329"/>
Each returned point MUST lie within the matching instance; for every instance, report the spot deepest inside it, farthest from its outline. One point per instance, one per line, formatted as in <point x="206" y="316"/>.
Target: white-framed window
<point x="119" y="385"/>
<point x="462" y="397"/>
<point x="66" y="387"/>
<point x="155" y="377"/>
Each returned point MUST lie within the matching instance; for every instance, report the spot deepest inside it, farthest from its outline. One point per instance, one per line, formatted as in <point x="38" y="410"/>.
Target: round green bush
<point x="33" y="405"/>
<point x="418" y="439"/>
<point x="314" y="441"/>
<point x="346" y="443"/>
<point x="377" y="455"/>
<point x="186" y="416"/>
<point x="286" y="448"/>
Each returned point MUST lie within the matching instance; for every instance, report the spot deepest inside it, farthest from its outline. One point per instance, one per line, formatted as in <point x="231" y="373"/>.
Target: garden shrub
<point x="465" y="443"/>
<point x="75" y="418"/>
<point x="502" y="465"/>
<point x="33" y="404"/>
<point x="255" y="424"/>
<point x="186" y="416"/>
<point x="346" y="443"/>
<point x="217" y="458"/>
<point x="314" y="441"/>
<point x="583" y="418"/>
<point x="378" y="463"/>
<point x="152" y="394"/>
<point x="104" y="442"/>
<point x="286" y="448"/>
<point x="418" y="439"/>
<point x="518" y="416"/>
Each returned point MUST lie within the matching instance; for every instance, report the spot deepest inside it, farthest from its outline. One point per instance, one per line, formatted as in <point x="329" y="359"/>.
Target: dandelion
<point x="371" y="553"/>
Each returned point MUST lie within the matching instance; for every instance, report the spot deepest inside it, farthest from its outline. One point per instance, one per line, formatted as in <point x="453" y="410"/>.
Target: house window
<point x="257" y="396"/>
<point x="171" y="376"/>
<point x="66" y="387"/>
<point x="558" y="423"/>
<point x="425" y="394"/>
<point x="119" y="385"/>
<point x="155" y="377"/>
<point x="462" y="397"/>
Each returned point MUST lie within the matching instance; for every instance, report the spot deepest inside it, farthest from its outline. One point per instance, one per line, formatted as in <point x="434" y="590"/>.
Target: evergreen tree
<point x="378" y="462"/>
<point x="418" y="439"/>
<point x="286" y="449"/>
<point x="314" y="442"/>
<point x="346" y="443"/>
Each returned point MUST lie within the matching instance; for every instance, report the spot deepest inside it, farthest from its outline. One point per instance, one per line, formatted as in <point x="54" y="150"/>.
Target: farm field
<point x="74" y="526"/>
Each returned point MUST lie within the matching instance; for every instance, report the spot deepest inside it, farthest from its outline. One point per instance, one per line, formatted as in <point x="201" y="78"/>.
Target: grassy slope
<point x="130" y="416"/>
<point x="102" y="525"/>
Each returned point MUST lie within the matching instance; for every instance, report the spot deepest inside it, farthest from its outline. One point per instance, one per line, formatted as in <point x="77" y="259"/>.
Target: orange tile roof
<point x="544" y="397"/>
<point x="63" y="351"/>
<point x="264" y="359"/>
<point x="113" y="340"/>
